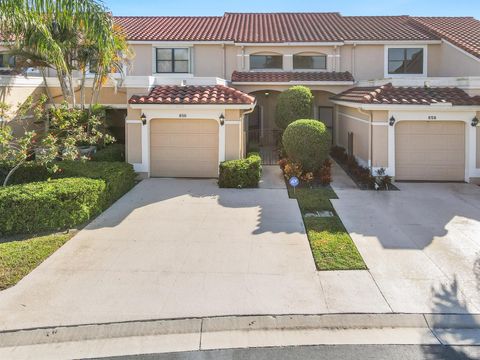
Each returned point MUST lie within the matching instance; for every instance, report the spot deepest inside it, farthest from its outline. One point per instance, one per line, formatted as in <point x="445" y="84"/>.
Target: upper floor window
<point x="310" y="62"/>
<point x="7" y="60"/>
<point x="266" y="62"/>
<point x="172" y="60"/>
<point x="405" y="61"/>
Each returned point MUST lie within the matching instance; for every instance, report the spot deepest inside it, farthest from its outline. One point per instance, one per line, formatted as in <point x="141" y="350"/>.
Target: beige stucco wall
<point x="108" y="96"/>
<point x="142" y="63"/>
<point x="452" y="62"/>
<point x="478" y="143"/>
<point x="360" y="131"/>
<point x="14" y="96"/>
<point x="208" y="61"/>
<point x="368" y="62"/>
<point x="232" y="142"/>
<point x="134" y="143"/>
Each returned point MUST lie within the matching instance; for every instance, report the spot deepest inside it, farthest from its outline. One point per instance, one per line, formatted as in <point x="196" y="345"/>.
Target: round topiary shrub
<point x="307" y="142"/>
<point x="293" y="104"/>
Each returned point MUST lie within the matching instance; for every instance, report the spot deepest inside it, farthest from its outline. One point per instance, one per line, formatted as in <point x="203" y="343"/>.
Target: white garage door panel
<point x="184" y="148"/>
<point x="430" y="150"/>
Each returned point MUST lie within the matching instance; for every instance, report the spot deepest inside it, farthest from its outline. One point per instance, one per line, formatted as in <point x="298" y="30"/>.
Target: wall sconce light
<point x="392" y="121"/>
<point x="474" y="121"/>
<point x="222" y="119"/>
<point x="143" y="117"/>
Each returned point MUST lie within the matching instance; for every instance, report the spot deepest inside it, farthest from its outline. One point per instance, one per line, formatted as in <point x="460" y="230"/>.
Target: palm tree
<point x="66" y="36"/>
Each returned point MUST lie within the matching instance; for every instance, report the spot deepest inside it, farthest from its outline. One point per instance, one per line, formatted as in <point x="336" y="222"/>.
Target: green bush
<point x="307" y="142"/>
<point x="78" y="191"/>
<point x="118" y="177"/>
<point x="49" y="205"/>
<point x="30" y="171"/>
<point x="293" y="104"/>
<point x="243" y="173"/>
<point x="112" y="153"/>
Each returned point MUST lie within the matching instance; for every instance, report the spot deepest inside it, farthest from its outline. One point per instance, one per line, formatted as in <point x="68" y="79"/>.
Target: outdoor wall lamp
<point x="392" y="121"/>
<point x="222" y="119"/>
<point x="143" y="117"/>
<point x="474" y="121"/>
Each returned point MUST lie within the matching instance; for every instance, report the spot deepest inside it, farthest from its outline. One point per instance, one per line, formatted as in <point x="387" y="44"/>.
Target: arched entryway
<point x="263" y="133"/>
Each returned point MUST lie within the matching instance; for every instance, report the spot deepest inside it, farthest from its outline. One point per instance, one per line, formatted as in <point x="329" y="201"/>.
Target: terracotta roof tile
<point x="388" y="94"/>
<point x="463" y="32"/>
<point x="172" y="28"/>
<point x="194" y="95"/>
<point x="272" y="28"/>
<point x="290" y="76"/>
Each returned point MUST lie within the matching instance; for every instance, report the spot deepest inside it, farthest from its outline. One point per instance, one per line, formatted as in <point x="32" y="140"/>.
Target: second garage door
<point x="430" y="150"/>
<point x="184" y="148"/>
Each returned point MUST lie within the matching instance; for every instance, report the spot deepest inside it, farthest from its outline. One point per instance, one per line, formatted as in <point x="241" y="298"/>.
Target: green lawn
<point x="331" y="245"/>
<point x="19" y="258"/>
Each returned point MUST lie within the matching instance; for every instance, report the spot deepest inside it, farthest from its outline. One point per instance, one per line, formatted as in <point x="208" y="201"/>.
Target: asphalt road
<point x="330" y="352"/>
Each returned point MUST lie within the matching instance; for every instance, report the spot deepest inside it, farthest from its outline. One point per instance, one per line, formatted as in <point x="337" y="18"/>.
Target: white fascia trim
<point x="393" y="42"/>
<point x="461" y="50"/>
<point x="177" y="43"/>
<point x="20" y="81"/>
<point x="332" y="43"/>
<point x="374" y="123"/>
<point x="191" y="106"/>
<point x="441" y="107"/>
<point x="297" y="83"/>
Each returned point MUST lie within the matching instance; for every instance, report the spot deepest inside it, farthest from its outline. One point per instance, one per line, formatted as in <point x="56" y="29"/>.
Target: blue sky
<point x="346" y="7"/>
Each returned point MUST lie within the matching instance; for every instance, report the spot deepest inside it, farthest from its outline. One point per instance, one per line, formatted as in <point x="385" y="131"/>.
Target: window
<point x="266" y="62"/>
<point x="7" y="60"/>
<point x="172" y="60"/>
<point x="310" y="62"/>
<point x="405" y="61"/>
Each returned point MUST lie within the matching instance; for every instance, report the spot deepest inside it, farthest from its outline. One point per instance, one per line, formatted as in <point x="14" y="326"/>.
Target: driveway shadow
<point x="414" y="217"/>
<point x="447" y="298"/>
<point x="273" y="209"/>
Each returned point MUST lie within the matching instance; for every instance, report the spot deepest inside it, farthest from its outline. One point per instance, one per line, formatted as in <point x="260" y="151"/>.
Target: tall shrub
<point x="308" y="143"/>
<point x="293" y="104"/>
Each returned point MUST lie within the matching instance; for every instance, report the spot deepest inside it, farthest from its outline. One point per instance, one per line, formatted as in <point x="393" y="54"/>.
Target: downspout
<point x="243" y="123"/>
<point x="370" y="138"/>
<point x="224" y="62"/>
<point x="353" y="60"/>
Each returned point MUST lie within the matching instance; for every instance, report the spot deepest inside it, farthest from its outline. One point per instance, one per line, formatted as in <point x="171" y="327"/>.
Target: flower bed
<point x="359" y="174"/>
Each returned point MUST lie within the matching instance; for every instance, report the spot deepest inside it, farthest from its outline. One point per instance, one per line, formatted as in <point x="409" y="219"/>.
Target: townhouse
<point x="398" y="92"/>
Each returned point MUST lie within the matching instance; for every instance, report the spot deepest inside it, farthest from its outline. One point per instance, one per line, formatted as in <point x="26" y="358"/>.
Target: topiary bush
<point x="49" y="205"/>
<point x="308" y="143"/>
<point x="112" y="153"/>
<point x="243" y="173"/>
<point x="293" y="104"/>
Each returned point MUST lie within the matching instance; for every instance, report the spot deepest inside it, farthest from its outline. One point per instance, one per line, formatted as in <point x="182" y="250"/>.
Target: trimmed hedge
<point x="118" y="177"/>
<point x="29" y="172"/>
<point x="49" y="205"/>
<point x="308" y="143"/>
<point x="79" y="191"/>
<point x="243" y="173"/>
<point x="111" y="153"/>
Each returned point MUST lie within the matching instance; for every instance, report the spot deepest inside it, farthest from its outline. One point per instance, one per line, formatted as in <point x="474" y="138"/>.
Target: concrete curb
<point x="241" y="324"/>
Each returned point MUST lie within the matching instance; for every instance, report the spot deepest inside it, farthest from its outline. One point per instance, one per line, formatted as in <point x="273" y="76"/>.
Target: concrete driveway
<point x="421" y="244"/>
<point x="175" y="248"/>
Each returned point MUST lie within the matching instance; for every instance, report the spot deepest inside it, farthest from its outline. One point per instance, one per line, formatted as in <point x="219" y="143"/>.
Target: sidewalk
<point x="165" y="336"/>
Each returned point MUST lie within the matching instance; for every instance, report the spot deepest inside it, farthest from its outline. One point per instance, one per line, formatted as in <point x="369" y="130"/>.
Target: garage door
<point x="183" y="148"/>
<point x="430" y="150"/>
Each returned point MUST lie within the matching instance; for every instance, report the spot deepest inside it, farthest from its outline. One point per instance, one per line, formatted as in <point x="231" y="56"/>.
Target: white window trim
<point x="409" y="46"/>
<point x="154" y="61"/>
